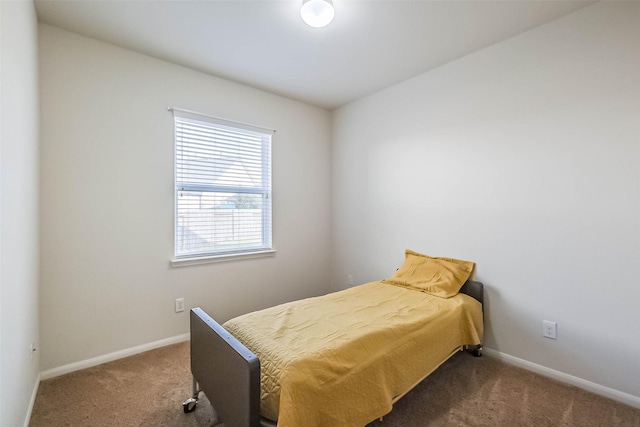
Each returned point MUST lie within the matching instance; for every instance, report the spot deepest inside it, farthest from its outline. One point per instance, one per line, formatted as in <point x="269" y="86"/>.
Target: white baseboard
<point x="55" y="372"/>
<point x="627" y="399"/>
<point x="27" y="418"/>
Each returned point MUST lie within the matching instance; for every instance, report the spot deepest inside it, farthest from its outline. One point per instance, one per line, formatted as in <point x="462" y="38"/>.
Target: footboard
<point x="226" y="371"/>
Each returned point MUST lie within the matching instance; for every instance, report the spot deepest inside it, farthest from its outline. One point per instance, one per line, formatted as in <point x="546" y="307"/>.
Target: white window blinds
<point x="222" y="187"/>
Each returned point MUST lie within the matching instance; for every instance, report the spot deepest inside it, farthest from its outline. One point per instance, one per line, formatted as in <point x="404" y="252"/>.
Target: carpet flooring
<point x="148" y="390"/>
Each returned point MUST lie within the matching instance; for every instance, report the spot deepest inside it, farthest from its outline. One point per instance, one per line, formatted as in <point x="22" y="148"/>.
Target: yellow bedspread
<point x="341" y="359"/>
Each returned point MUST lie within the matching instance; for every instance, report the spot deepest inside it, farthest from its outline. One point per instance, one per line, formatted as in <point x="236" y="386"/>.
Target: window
<point x="222" y="187"/>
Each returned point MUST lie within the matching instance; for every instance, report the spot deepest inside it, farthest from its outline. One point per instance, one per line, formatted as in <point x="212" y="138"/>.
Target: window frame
<point x="184" y="258"/>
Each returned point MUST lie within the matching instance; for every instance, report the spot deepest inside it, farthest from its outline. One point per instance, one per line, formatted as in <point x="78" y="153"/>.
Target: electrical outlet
<point x="349" y="279"/>
<point x="179" y="305"/>
<point x="32" y="349"/>
<point x="549" y="329"/>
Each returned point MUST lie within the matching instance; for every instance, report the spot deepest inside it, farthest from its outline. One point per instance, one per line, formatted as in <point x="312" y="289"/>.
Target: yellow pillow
<point x="442" y="277"/>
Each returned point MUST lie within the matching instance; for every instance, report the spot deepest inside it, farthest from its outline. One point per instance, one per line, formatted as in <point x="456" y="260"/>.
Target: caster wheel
<point x="477" y="352"/>
<point x="189" y="405"/>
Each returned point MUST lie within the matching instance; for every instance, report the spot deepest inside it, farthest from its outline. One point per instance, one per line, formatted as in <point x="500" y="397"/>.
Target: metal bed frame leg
<point x="189" y="405"/>
<point x="476" y="350"/>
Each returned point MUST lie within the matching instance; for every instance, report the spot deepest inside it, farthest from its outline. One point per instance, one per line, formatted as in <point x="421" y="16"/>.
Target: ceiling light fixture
<point x="317" y="13"/>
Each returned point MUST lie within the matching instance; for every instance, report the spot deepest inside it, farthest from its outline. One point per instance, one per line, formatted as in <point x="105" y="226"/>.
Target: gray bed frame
<point x="229" y="373"/>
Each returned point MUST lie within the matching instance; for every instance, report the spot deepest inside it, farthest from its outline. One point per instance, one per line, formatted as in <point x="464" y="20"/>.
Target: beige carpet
<point x="148" y="390"/>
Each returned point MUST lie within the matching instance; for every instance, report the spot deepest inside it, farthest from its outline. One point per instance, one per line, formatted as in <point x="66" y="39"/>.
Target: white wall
<point x="18" y="211"/>
<point x="107" y="200"/>
<point x="522" y="157"/>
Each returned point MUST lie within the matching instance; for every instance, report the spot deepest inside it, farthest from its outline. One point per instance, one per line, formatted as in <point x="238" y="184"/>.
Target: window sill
<point x="185" y="262"/>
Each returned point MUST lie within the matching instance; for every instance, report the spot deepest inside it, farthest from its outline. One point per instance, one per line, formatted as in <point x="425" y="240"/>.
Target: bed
<point x="341" y="359"/>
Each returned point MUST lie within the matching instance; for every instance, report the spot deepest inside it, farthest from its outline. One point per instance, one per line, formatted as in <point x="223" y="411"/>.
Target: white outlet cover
<point x="549" y="329"/>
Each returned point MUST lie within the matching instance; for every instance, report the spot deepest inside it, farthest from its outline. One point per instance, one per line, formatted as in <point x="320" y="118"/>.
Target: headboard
<point x="474" y="289"/>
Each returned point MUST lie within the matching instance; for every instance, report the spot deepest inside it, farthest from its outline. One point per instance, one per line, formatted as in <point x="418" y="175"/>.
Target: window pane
<point x="214" y="222"/>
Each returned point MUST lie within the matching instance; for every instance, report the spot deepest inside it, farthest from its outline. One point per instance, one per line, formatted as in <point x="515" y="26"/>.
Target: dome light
<point x="317" y="13"/>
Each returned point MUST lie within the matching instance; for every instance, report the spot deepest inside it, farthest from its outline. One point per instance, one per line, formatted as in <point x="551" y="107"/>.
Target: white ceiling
<point x="370" y="45"/>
